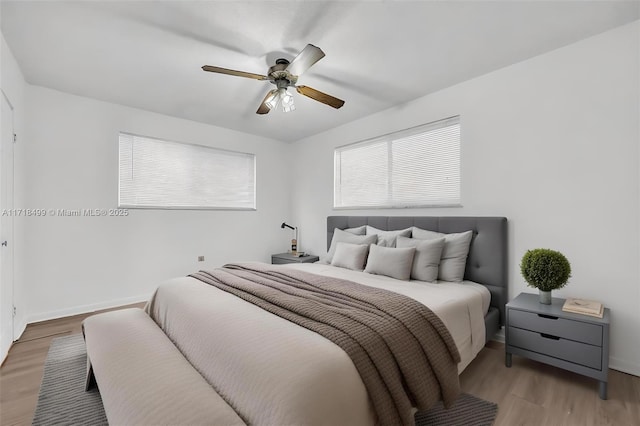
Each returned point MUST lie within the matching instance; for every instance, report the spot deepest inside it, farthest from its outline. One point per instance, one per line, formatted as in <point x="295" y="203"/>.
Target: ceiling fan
<point x="285" y="74"/>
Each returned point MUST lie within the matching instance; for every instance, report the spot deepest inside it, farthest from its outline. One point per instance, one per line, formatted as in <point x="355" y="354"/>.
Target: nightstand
<point x="278" y="259"/>
<point x="545" y="333"/>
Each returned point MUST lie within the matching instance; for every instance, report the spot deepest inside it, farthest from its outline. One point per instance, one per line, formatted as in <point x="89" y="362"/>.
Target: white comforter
<point x="273" y="372"/>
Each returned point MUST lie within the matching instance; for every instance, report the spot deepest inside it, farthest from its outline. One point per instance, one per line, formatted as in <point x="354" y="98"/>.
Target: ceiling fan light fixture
<point x="286" y="100"/>
<point x="281" y="97"/>
<point x="273" y="100"/>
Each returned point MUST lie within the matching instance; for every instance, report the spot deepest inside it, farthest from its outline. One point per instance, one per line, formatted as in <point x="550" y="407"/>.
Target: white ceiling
<point x="148" y="54"/>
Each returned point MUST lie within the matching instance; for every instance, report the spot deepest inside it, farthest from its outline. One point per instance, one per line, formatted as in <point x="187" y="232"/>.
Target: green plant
<point x="545" y="269"/>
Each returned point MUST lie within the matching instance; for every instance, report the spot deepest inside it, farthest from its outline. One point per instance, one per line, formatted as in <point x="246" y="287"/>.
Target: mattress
<point x="461" y="306"/>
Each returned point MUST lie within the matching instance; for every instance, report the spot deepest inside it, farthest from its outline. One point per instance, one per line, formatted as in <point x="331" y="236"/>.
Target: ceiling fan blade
<point x="319" y="96"/>
<point x="264" y="109"/>
<point x="309" y="56"/>
<point x="234" y="72"/>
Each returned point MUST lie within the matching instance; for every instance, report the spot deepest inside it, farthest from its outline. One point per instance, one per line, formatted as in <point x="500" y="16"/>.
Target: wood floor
<point x="528" y="393"/>
<point x="531" y="393"/>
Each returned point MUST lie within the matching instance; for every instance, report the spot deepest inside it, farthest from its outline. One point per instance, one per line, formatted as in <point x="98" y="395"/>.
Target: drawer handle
<point x="547" y="316"/>
<point x="549" y="336"/>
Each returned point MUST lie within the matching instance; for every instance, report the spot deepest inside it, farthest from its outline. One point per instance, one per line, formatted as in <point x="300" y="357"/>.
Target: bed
<point x="487" y="261"/>
<point x="269" y="370"/>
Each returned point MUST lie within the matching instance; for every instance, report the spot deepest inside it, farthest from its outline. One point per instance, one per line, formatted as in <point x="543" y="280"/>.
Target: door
<point x="6" y="227"/>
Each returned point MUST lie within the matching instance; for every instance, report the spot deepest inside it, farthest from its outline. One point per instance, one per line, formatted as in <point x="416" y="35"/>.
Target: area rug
<point x="63" y="401"/>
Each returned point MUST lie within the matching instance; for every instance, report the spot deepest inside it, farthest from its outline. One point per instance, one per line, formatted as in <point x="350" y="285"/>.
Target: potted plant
<point x="545" y="270"/>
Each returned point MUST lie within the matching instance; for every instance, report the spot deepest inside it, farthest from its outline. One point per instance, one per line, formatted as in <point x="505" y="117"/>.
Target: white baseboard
<point x="632" y="368"/>
<point x="19" y="328"/>
<point x="76" y="310"/>
<point x="4" y="354"/>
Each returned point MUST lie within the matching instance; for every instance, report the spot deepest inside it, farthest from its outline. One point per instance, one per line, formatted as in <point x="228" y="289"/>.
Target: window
<point x="417" y="167"/>
<point x="159" y="174"/>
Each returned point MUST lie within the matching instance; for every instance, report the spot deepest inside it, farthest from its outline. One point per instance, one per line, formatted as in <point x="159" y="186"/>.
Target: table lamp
<point x="294" y="242"/>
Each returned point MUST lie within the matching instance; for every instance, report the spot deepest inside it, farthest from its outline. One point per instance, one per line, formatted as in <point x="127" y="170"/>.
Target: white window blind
<point x="417" y="167"/>
<point x="160" y="174"/>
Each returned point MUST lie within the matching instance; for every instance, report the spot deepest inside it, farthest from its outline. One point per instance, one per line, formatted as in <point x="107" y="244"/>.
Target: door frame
<point x="7" y="225"/>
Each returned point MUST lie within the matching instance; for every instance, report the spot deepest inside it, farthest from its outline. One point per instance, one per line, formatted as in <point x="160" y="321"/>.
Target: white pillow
<point x="454" y="253"/>
<point x="340" y="236"/>
<point x="360" y="230"/>
<point x="392" y="262"/>
<point x="426" y="259"/>
<point x="350" y="256"/>
<point x="387" y="238"/>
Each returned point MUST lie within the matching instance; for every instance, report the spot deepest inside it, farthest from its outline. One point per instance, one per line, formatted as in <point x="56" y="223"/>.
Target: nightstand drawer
<point x="560" y="327"/>
<point x="280" y="261"/>
<point x="547" y="344"/>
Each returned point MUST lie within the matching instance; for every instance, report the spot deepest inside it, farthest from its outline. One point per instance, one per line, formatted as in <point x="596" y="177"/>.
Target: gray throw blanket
<point x="401" y="349"/>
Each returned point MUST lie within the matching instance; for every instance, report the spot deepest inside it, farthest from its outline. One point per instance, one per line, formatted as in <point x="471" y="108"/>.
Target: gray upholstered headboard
<point x="487" y="260"/>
